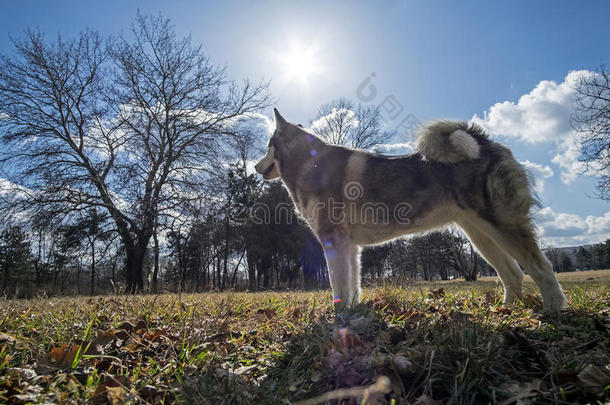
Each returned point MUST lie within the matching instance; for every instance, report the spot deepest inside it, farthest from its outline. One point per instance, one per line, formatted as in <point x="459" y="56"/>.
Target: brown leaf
<point x="132" y="345"/>
<point x="141" y="326"/>
<point x="127" y="327"/>
<point x="115" y="395"/>
<point x="4" y="338"/>
<point x="102" y="364"/>
<point x="101" y="342"/>
<point x="109" y="392"/>
<point x="500" y="310"/>
<point x="226" y="347"/>
<point x="121" y="334"/>
<point x="438" y="293"/>
<point x="564" y="376"/>
<point x="490" y="297"/>
<point x="593" y="380"/>
<point x="63" y="356"/>
<point x="153" y="336"/>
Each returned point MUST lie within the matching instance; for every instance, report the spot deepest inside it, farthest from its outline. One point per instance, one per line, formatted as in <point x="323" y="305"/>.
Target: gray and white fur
<point x="351" y="198"/>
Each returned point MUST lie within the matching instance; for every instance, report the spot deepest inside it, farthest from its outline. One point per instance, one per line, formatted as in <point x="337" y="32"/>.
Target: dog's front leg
<point x="343" y="260"/>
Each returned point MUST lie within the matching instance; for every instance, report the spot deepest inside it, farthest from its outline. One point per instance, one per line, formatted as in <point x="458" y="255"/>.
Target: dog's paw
<point x="554" y="303"/>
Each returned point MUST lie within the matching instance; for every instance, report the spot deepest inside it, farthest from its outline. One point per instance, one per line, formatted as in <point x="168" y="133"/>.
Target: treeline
<point x="583" y="258"/>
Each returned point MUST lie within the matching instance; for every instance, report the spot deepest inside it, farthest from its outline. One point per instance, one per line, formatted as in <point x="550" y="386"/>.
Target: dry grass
<point x="451" y="341"/>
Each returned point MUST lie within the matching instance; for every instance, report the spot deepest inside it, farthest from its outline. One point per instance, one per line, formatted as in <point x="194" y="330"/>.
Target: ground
<point x="426" y="343"/>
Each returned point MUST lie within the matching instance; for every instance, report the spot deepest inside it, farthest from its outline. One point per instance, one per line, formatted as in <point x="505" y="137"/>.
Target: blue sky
<point x="503" y="62"/>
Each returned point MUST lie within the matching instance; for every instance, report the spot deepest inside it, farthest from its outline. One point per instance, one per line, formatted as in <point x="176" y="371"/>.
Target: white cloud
<point x="566" y="158"/>
<point x="347" y="117"/>
<point x="540" y="173"/>
<point x="559" y="229"/>
<point x="259" y="125"/>
<point x="542" y="115"/>
<point x="394" y="148"/>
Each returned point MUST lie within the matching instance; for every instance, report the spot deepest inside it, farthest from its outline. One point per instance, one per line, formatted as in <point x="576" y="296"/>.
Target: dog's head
<point x="269" y="166"/>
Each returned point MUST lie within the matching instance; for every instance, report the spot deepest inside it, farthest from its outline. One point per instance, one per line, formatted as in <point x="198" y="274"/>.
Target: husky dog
<point x="351" y="198"/>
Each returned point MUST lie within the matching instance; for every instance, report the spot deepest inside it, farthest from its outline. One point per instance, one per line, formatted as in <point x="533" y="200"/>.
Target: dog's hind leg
<point x="507" y="268"/>
<point x="343" y="260"/>
<point x="517" y="238"/>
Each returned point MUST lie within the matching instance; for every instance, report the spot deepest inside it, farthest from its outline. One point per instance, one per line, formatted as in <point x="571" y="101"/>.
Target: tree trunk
<point x="92" y="268"/>
<point x="226" y="256"/>
<point x="443" y="271"/>
<point x="78" y="270"/>
<point x="155" y="277"/>
<point x="114" y="269"/>
<point x="218" y="271"/>
<point x="472" y="270"/>
<point x="234" y="278"/>
<point x="6" y="275"/>
<point x="251" y="262"/>
<point x="134" y="263"/>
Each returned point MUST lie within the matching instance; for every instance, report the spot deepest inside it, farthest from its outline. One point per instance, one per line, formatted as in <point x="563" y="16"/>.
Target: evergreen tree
<point x="15" y="259"/>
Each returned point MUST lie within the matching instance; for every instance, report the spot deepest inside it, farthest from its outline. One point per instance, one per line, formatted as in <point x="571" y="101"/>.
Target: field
<point x="426" y="343"/>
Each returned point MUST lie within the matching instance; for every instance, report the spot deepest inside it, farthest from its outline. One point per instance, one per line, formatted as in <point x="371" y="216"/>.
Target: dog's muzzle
<point x="267" y="173"/>
<point x="266" y="166"/>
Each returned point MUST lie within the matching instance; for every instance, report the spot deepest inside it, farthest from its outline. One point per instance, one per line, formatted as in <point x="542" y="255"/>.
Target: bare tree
<point x="131" y="127"/>
<point x="591" y="121"/>
<point x="554" y="256"/>
<point x="341" y="122"/>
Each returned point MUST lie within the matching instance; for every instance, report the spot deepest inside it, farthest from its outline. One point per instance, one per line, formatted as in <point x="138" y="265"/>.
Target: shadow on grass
<point x="432" y="355"/>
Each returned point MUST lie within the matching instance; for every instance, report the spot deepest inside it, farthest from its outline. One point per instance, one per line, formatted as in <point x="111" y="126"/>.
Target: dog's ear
<point x="279" y="120"/>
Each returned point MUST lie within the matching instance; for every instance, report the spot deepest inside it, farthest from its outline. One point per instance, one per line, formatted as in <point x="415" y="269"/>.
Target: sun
<point x="299" y="63"/>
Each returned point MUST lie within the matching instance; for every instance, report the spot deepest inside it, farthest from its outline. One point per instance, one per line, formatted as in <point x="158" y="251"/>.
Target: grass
<point x="428" y="343"/>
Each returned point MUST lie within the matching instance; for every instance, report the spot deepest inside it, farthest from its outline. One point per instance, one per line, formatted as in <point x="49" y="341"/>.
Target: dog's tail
<point x="451" y="141"/>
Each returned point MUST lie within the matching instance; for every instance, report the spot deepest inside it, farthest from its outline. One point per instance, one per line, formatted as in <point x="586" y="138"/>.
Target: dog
<point x="352" y="198"/>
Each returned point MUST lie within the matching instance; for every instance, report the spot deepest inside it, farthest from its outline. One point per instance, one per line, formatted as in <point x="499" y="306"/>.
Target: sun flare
<point x="299" y="63"/>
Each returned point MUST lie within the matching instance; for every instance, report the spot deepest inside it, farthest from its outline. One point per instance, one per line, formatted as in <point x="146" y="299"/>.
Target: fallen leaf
<point x="127" y="327"/>
<point x="4" y="338"/>
<point x="593" y="380"/>
<point x="115" y="395"/>
<point x="438" y="293"/>
<point x="141" y="326"/>
<point x="490" y="297"/>
<point x="100" y="343"/>
<point x="153" y="335"/>
<point x="132" y="345"/>
<point x="121" y="334"/>
<point x="25" y="374"/>
<point x="500" y="310"/>
<point x="63" y="356"/>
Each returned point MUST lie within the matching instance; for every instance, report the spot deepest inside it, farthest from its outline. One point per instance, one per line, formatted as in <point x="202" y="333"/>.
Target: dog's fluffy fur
<point x="352" y="198"/>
